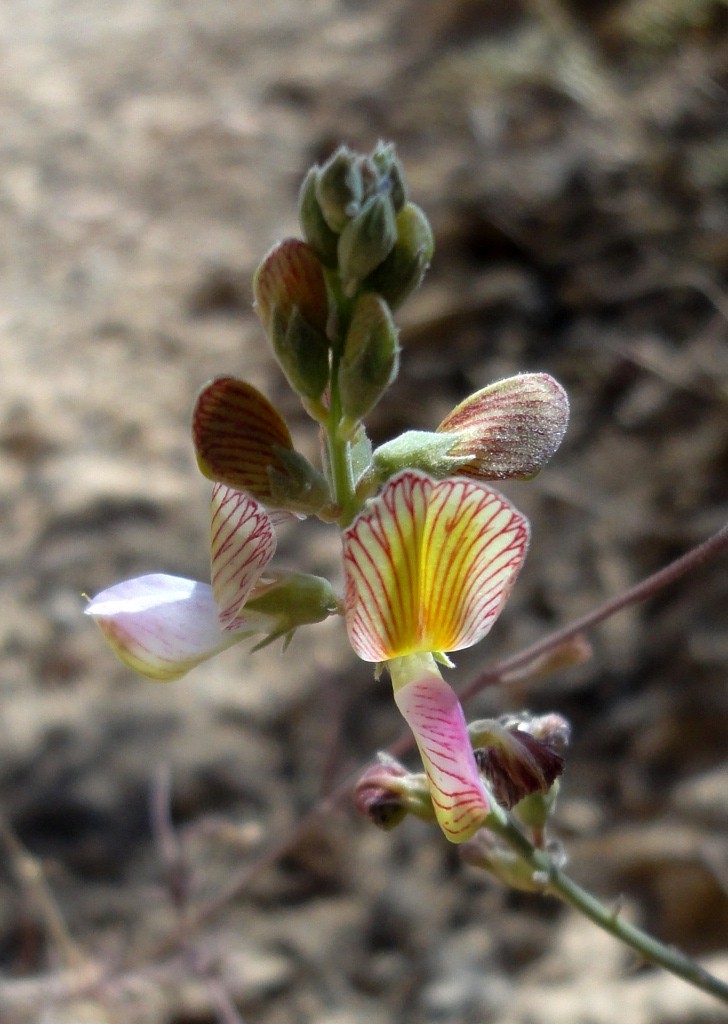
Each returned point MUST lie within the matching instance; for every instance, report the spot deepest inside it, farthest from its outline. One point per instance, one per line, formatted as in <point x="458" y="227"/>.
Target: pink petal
<point x="242" y="542"/>
<point x="160" y="626"/>
<point x="433" y="713"/>
<point x="429" y="566"/>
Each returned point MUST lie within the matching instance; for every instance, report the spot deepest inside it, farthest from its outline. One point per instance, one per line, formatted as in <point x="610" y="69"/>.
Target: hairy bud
<point x="370" y="359"/>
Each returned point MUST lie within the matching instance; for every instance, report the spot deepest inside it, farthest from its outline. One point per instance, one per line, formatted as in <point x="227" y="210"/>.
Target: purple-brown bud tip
<point x="520" y="757"/>
<point x="386" y="793"/>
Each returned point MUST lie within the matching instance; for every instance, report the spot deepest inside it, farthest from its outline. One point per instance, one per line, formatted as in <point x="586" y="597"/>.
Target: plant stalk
<point x="557" y="883"/>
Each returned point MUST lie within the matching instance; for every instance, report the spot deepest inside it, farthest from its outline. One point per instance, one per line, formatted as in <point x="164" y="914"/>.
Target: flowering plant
<point x="430" y="549"/>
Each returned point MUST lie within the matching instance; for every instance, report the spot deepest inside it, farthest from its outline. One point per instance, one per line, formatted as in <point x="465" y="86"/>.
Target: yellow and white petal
<point x="161" y="626"/>
<point x="242" y="543"/>
<point x="473" y="546"/>
<point x="509" y="429"/>
<point x="429" y="565"/>
<point x="433" y="713"/>
<point x="381" y="562"/>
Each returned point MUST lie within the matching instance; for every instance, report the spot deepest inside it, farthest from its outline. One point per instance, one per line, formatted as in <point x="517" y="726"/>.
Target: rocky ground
<point x="575" y="169"/>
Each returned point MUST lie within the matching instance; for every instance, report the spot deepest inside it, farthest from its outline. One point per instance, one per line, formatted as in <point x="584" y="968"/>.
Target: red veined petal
<point x="236" y="433"/>
<point x="381" y="561"/>
<point x="429" y="566"/>
<point x="473" y="545"/>
<point x="242" y="542"/>
<point x="510" y="428"/>
<point x="433" y="713"/>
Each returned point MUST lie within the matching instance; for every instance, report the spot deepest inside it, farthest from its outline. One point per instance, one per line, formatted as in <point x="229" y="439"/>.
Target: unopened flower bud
<point x="486" y="852"/>
<point x="340" y="188"/>
<point x="510" y="428"/>
<point x="292" y="303"/>
<point x="316" y="231"/>
<point x="239" y="436"/>
<point x="290" y="276"/>
<point x="366" y="241"/>
<point x="370" y="359"/>
<point x="405" y="266"/>
<point x="386" y="793"/>
<point x="514" y="762"/>
<point x="391" y="174"/>
<point x="302" y="353"/>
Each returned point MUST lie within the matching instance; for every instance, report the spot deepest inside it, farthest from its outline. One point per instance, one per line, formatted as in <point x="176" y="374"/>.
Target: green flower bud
<point x="391" y="173"/>
<point x="316" y="231"/>
<point x="340" y="188"/>
<point x="417" y="449"/>
<point x="291" y="601"/>
<point x="366" y="241"/>
<point x="302" y="352"/>
<point x="403" y="269"/>
<point x="370" y="359"/>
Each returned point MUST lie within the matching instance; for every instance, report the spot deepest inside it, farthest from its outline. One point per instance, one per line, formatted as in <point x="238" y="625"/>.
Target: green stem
<point x="339" y="454"/>
<point x="557" y="883"/>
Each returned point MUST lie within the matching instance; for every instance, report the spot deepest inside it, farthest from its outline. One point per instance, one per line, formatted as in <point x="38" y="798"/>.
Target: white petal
<point x="161" y="626"/>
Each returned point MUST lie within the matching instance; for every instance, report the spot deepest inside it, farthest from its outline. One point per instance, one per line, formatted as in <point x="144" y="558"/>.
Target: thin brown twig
<point x="634" y="595"/>
<point x="29" y="874"/>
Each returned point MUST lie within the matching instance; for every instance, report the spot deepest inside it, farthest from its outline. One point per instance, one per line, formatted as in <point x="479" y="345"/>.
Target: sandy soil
<point x="575" y="171"/>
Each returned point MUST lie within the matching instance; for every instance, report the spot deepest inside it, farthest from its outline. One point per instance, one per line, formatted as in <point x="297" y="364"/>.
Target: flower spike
<point x="429" y="565"/>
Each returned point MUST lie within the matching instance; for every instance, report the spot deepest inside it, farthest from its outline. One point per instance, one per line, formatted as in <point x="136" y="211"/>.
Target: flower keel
<point x="161" y="626"/>
<point x="433" y="713"/>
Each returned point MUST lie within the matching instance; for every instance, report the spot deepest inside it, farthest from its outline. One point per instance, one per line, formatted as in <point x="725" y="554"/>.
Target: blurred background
<point x="573" y="160"/>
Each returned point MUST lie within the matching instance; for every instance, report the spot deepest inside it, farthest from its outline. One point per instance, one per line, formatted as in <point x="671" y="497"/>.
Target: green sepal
<point x="418" y="449"/>
<point x="301" y="351"/>
<point x="535" y="810"/>
<point x="294" y="600"/>
<point x="298" y="486"/>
